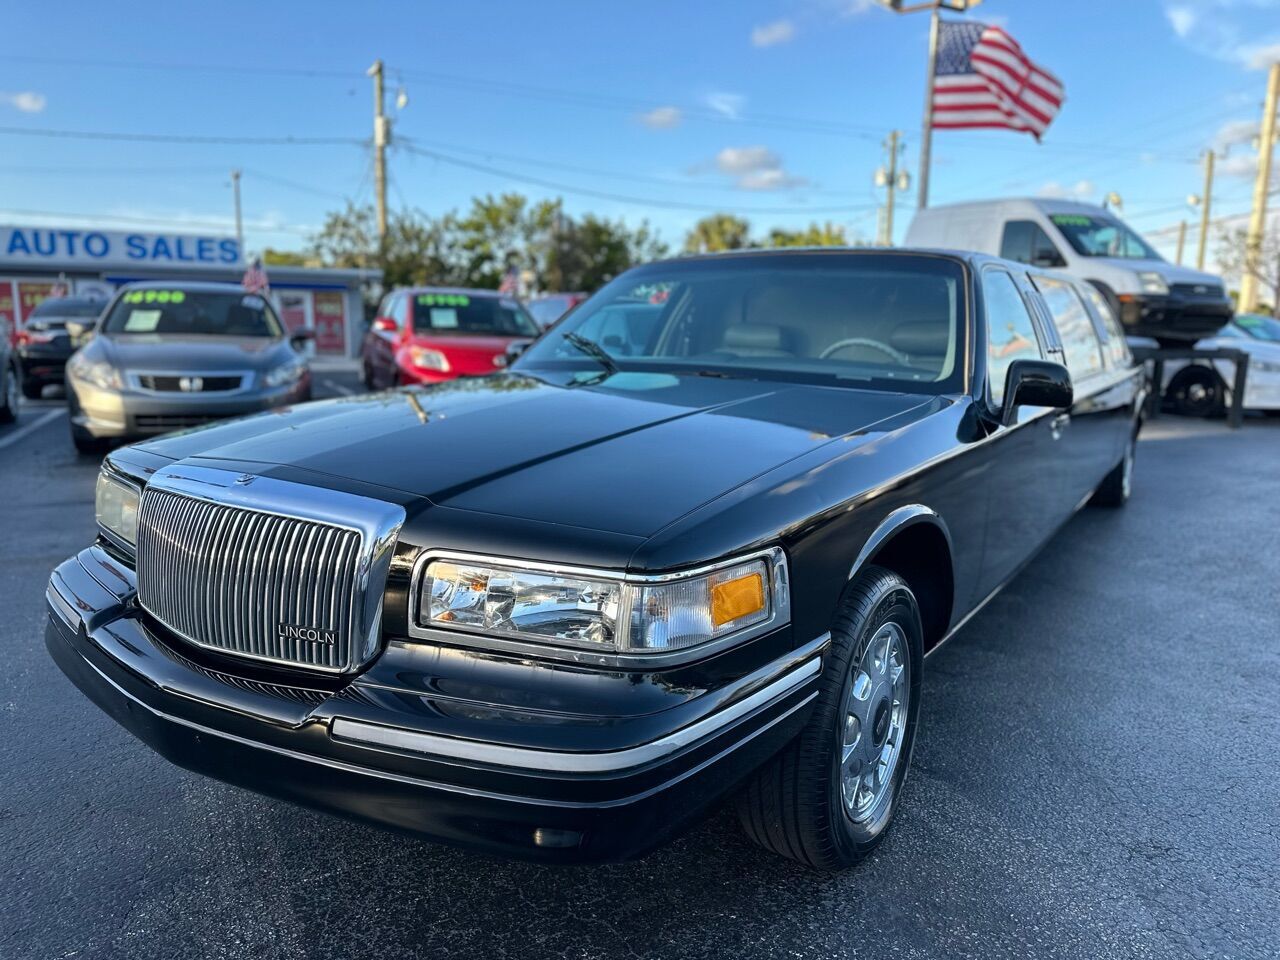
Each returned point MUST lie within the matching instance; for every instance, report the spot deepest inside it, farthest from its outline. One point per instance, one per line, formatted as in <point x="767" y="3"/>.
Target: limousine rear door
<point x="1022" y="469"/>
<point x="1093" y="439"/>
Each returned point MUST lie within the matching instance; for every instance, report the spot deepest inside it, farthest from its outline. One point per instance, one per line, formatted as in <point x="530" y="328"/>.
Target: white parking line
<point x="36" y="424"/>
<point x="332" y="385"/>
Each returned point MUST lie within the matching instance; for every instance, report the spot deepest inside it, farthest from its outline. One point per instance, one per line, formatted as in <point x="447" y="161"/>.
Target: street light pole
<point x="935" y="8"/>
<point x="926" y="127"/>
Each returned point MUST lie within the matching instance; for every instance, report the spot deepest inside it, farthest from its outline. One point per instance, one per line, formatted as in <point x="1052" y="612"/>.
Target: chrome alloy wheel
<point x="875" y="720"/>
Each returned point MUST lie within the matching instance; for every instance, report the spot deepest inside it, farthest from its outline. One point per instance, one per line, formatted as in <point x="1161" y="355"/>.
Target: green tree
<point x="586" y="254"/>
<point x="719" y="231"/>
<point x="815" y="235"/>
<point x="287" y="258"/>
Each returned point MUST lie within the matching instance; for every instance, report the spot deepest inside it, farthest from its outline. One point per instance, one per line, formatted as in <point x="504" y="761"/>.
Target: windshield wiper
<point x="593" y="350"/>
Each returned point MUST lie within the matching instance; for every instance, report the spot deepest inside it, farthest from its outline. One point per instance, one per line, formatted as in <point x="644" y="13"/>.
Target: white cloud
<point x="1080" y="190"/>
<point x="739" y="160"/>
<point x="662" y="118"/>
<point x="854" y="7"/>
<point x="1235" y="132"/>
<point x="756" y="168"/>
<point x="28" y="101"/>
<point x="1237" y="31"/>
<point x="726" y="104"/>
<point x="779" y="31"/>
<point x="1182" y="19"/>
<point x="1239" y="165"/>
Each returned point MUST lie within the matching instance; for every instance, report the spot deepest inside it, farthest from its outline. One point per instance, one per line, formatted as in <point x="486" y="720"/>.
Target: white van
<point x="1153" y="298"/>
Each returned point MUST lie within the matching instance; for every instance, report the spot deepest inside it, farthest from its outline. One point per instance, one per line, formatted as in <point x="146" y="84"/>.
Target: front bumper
<point x="117" y="414"/>
<point x="1173" y="316"/>
<point x="375" y="752"/>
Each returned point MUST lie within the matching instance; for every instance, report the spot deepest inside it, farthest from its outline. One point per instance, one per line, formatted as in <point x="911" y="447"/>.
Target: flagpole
<point x="926" y="129"/>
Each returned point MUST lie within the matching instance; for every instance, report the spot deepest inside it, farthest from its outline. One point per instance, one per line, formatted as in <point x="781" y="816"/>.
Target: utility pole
<point x="1261" y="187"/>
<point x="1182" y="240"/>
<point x="1206" y="201"/>
<point x="380" y="137"/>
<point x="893" y="180"/>
<point x="235" y="193"/>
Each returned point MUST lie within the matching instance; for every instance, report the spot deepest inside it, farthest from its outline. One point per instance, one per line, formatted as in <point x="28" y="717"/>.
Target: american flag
<point x="255" y="278"/>
<point x="510" y="284"/>
<point x="983" y="79"/>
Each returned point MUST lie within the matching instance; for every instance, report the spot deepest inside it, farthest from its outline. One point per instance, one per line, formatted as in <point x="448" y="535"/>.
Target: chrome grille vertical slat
<point x="228" y="577"/>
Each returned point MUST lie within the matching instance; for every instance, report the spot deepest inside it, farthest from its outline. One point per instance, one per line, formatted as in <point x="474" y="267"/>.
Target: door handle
<point x="1058" y="424"/>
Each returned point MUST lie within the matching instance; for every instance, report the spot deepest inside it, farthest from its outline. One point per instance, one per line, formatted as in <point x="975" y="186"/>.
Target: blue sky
<point x="772" y="109"/>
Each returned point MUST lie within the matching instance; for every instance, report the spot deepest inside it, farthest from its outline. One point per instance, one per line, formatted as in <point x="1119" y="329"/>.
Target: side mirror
<point x="385" y="325"/>
<point x="81" y="331"/>
<point x="300" y="338"/>
<point x="1035" y="383"/>
<point x="514" y="349"/>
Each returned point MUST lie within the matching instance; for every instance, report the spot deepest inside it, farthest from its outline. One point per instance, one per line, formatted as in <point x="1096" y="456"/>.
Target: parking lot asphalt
<point x="1097" y="775"/>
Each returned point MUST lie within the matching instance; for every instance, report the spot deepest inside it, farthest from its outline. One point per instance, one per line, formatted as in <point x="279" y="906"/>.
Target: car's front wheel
<point x="828" y="799"/>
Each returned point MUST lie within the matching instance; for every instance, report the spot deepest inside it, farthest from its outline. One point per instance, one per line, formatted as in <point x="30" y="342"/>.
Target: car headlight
<point x="1152" y="283"/>
<point x="290" y="372"/>
<point x="426" y="359"/>
<point x="116" y="508"/>
<point x="612" y="613"/>
<point x="97" y="373"/>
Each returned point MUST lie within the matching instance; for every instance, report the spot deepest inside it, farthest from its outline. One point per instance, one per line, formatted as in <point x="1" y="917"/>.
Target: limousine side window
<point x="1079" y="339"/>
<point x="1117" y="350"/>
<point x="1026" y="242"/>
<point x="1011" y="333"/>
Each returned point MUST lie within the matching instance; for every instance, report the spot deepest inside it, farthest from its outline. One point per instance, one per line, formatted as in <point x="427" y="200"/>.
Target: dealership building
<point x="39" y="262"/>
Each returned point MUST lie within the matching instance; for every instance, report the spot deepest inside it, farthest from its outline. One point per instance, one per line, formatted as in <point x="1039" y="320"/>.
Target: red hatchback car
<point x="429" y="334"/>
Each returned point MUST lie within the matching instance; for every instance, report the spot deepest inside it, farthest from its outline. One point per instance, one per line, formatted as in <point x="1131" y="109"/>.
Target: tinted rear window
<point x="459" y="313"/>
<point x="68" y="308"/>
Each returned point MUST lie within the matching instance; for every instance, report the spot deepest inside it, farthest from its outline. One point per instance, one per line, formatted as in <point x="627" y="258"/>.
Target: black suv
<point x="45" y="344"/>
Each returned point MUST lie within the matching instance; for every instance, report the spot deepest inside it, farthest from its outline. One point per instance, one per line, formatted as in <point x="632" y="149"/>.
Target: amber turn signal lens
<point x="733" y="599"/>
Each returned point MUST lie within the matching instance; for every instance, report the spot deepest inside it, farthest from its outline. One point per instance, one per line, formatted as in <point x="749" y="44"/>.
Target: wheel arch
<point x="913" y="541"/>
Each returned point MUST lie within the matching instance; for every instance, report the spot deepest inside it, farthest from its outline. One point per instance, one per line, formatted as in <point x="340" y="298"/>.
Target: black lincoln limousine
<point x="695" y="542"/>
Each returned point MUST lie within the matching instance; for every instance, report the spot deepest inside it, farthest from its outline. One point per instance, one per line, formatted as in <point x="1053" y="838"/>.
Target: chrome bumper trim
<point x="374" y="735"/>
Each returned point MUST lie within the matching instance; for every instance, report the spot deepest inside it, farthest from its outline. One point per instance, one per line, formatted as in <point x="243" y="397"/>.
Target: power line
<point x="180" y="138"/>
<point x="623" y="198"/>
<point x="101" y="218"/>
<point x="591" y="171"/>
<point x="311" y="73"/>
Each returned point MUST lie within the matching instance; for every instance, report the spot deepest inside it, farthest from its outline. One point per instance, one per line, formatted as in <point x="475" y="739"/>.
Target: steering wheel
<point x="897" y="356"/>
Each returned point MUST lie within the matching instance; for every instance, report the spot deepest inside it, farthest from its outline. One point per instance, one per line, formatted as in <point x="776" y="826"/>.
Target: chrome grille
<point x="262" y="568"/>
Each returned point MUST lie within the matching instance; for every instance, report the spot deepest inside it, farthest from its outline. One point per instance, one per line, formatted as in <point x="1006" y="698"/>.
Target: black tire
<point x="1115" y="487"/>
<point x="86" y="444"/>
<point x="1197" y="391"/>
<point x="32" y="389"/>
<point x="794" y="806"/>
<point x="366" y="376"/>
<point x="9" y="395"/>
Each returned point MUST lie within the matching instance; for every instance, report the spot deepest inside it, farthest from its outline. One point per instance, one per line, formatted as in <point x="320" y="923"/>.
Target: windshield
<point x="68" y="308"/>
<point x="885" y="320"/>
<point x="1093" y="236"/>
<point x="186" y="312"/>
<point x="458" y="313"/>
<point x="1259" y="327"/>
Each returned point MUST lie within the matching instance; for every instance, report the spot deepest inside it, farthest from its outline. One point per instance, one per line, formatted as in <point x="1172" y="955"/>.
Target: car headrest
<point x="759" y="337"/>
<point x="926" y="338"/>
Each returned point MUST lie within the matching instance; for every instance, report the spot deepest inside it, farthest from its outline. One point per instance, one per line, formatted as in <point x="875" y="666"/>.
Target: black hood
<point x="627" y="456"/>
